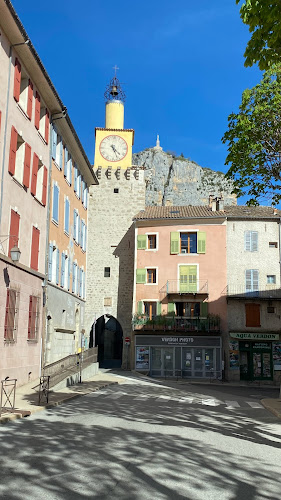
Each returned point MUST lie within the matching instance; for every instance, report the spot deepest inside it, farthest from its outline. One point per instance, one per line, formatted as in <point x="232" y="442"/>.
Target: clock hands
<point x="115" y="150"/>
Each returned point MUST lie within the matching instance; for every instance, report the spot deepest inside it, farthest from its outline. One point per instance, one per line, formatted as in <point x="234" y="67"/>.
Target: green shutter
<point x="204" y="309"/>
<point x="141" y="276"/>
<point x="188" y="279"/>
<point x="142" y="238"/>
<point x="140" y="307"/>
<point x="175" y="242"/>
<point x="158" y="308"/>
<point x="201" y="242"/>
<point x="171" y="307"/>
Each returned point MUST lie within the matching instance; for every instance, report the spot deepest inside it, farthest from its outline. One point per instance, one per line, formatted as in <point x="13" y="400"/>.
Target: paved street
<point x="146" y="440"/>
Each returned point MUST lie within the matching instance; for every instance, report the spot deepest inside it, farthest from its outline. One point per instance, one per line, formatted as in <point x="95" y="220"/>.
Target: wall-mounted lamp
<point x="15" y="251"/>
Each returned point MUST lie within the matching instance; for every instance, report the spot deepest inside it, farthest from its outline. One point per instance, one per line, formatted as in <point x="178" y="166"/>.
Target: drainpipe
<point x="6" y="122"/>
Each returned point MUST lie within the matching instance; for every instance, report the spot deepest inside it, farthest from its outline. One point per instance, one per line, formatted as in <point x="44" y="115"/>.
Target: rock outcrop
<point x="172" y="180"/>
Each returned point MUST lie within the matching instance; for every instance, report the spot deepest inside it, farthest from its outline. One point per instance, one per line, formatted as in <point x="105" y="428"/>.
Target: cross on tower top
<point x="115" y="69"/>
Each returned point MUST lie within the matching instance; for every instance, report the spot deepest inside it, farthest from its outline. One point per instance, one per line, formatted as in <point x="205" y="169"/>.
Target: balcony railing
<point x="239" y="292"/>
<point x="177" y="323"/>
<point x="186" y="285"/>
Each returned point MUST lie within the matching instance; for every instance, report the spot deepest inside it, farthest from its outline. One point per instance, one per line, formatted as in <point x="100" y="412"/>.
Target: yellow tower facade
<point x="114" y="144"/>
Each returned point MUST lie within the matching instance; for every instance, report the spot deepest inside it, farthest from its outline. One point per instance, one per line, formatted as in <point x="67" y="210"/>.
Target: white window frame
<point x="156" y="269"/>
<point x="157" y="242"/>
<point x="253" y="288"/>
<point x="249" y="245"/>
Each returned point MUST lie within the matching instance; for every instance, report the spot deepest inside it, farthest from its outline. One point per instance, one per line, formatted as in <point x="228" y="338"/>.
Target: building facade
<point x="112" y="205"/>
<point x="253" y="293"/>
<point x="179" y="312"/>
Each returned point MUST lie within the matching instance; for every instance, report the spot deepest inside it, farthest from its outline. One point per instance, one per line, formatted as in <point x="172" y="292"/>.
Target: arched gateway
<point x="107" y="334"/>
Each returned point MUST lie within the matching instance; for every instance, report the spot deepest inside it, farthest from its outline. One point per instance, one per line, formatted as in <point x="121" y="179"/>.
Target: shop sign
<point x="255" y="336"/>
<point x="276" y="351"/>
<point x="155" y="340"/>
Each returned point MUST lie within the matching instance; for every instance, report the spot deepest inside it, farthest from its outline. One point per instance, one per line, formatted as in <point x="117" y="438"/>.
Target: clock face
<point x="113" y="148"/>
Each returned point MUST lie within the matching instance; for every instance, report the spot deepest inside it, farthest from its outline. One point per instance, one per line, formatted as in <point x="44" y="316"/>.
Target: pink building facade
<point x="180" y="312"/>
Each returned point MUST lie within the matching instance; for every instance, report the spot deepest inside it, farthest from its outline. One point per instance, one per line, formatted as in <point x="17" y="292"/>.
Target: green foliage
<point x="254" y="141"/>
<point x="264" y="20"/>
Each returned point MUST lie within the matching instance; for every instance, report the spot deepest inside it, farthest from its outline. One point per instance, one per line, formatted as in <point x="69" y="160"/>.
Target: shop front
<point x="256" y="355"/>
<point x="178" y="356"/>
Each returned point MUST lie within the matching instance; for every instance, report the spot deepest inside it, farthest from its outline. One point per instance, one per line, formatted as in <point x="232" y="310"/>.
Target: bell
<point x="114" y="90"/>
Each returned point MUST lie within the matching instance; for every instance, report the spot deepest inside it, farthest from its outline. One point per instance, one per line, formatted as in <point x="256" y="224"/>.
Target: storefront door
<point x="198" y="363"/>
<point x="163" y="362"/>
<point x="256" y="361"/>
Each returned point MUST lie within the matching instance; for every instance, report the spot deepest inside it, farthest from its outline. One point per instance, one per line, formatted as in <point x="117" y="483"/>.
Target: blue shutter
<point x="79" y="230"/>
<point x="55" y="214"/>
<point x="75" y="177"/>
<point x="73" y="278"/>
<point x="84" y="285"/>
<point x="85" y="239"/>
<point x="58" y="267"/>
<point x="66" y="216"/>
<point x="68" y="274"/>
<point x="79" y="185"/>
<point x="83" y="191"/>
<point x="65" y="161"/>
<point x="78" y="281"/>
<point x="50" y="264"/>
<point x="86" y="198"/>
<point x="54" y="143"/>
<point x="74" y="224"/>
<point x="70" y="171"/>
<point x="62" y="268"/>
<point x="61" y="148"/>
<point x="81" y="282"/>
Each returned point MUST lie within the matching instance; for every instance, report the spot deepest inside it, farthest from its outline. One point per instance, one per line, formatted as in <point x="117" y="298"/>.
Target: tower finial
<point x="114" y="91"/>
<point x="158" y="147"/>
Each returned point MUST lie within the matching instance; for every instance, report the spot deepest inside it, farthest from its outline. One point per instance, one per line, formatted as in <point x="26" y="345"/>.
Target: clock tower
<point x="112" y="204"/>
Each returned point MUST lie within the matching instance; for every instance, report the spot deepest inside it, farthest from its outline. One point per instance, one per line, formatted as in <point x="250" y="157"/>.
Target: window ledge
<point x="77" y="196"/>
<point x="19" y="183"/>
<point x="23" y="112"/>
<point x="38" y="201"/>
<point x="42" y="138"/>
<point x="32" y="341"/>
<point x="149" y="284"/>
<point x="66" y="233"/>
<point x="56" y="164"/>
<point x="151" y="249"/>
<point x="67" y="181"/>
<point x="55" y="222"/>
<point x="9" y="341"/>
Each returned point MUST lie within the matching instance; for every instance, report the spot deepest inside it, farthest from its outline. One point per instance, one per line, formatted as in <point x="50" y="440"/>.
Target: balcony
<point x="271" y="292"/>
<point x="181" y="290"/>
<point x="169" y="323"/>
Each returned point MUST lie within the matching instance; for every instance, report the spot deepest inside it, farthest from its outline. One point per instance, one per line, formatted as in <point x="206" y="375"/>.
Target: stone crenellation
<point x="172" y="180"/>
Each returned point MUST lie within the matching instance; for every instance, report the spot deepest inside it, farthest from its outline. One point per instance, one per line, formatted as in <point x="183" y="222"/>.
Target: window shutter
<point x="85" y="238"/>
<point x="204" y="309"/>
<point x="27" y="162"/>
<point x="13" y="151"/>
<point x="252" y="280"/>
<point x="254" y="241"/>
<point x="68" y="273"/>
<point x="70" y="171"/>
<point x="171" y="307"/>
<point x="55" y="214"/>
<point x="175" y="243"/>
<point x="73" y="278"/>
<point x="37" y="111"/>
<point x="74" y="224"/>
<point x="86" y="197"/>
<point x="62" y="268"/>
<point x="47" y="126"/>
<point x="75" y="177"/>
<point x="252" y="315"/>
<point x="159" y="308"/>
<point x="255" y="275"/>
<point x="29" y="316"/>
<point x="34" y="174"/>
<point x="54" y="142"/>
<point x="29" y="99"/>
<point x="81" y="282"/>
<point x="66" y="215"/>
<point x="141" y="276"/>
<point x="35" y="248"/>
<point x="141" y="242"/>
<point x="79" y="185"/>
<point x="140" y="307"/>
<point x="82" y="189"/>
<point x="45" y="181"/>
<point x="50" y="262"/>
<point x="58" y="267"/>
<point x="79" y="230"/>
<point x="61" y="149"/>
<point x="201" y="242"/>
<point x="14" y="230"/>
<point x="84" y="284"/>
<point x="17" y="80"/>
<point x="65" y="162"/>
<point x="247" y="238"/>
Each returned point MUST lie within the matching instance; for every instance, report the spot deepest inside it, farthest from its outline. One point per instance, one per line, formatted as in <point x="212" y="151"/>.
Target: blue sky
<point x="181" y="63"/>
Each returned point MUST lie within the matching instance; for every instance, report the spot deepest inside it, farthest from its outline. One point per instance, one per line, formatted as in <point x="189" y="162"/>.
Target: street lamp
<point x="15" y="254"/>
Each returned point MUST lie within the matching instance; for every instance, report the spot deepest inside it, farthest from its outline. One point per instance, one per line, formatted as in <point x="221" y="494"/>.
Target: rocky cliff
<point x="172" y="180"/>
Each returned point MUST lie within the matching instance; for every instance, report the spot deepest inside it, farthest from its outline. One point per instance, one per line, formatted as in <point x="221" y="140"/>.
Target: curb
<point x="271" y="408"/>
<point x="14" y="416"/>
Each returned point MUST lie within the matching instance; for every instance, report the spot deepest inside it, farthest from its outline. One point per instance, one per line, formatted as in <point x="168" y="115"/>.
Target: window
<point x="55" y="208"/>
<point x="151" y="241"/>
<point x="39" y="180"/>
<point x="151" y="276"/>
<point x="67" y="166"/>
<point x="53" y="263"/>
<point x="35" y="248"/>
<point x="107" y="272"/>
<point x="76" y="226"/>
<point x="192" y="309"/>
<point x="251" y="241"/>
<point x="150" y="309"/>
<point x="270" y="309"/>
<point x="11" y="314"/>
<point x="273" y="244"/>
<point x="19" y="158"/>
<point x="77" y="181"/>
<point x="62" y="270"/>
<point x="14" y="230"/>
<point x="74" y="278"/>
<point x="66" y="215"/>
<point x="33" y="318"/>
<point x="252" y="315"/>
<point x="116" y="190"/>
<point x="252" y="280"/>
<point x="271" y="279"/>
<point x="42" y="118"/>
<point x="23" y="89"/>
<point x="187" y="242"/>
<point x="83" y="235"/>
<point x="57" y="148"/>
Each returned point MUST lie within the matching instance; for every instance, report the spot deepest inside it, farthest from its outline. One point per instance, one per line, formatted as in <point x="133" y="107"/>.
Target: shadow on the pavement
<point x="142" y="450"/>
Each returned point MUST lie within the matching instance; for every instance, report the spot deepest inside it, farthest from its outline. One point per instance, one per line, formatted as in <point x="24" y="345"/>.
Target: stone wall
<point x="175" y="181"/>
<point x="112" y="204"/>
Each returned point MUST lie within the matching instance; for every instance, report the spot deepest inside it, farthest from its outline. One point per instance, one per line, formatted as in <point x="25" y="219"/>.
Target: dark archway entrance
<point x="107" y="335"/>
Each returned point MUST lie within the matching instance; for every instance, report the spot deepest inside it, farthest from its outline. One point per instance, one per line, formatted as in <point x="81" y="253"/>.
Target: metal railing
<point x="269" y="292"/>
<point x="187" y="286"/>
<point x="8" y="394"/>
<point x="177" y="323"/>
<point x="68" y="365"/>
